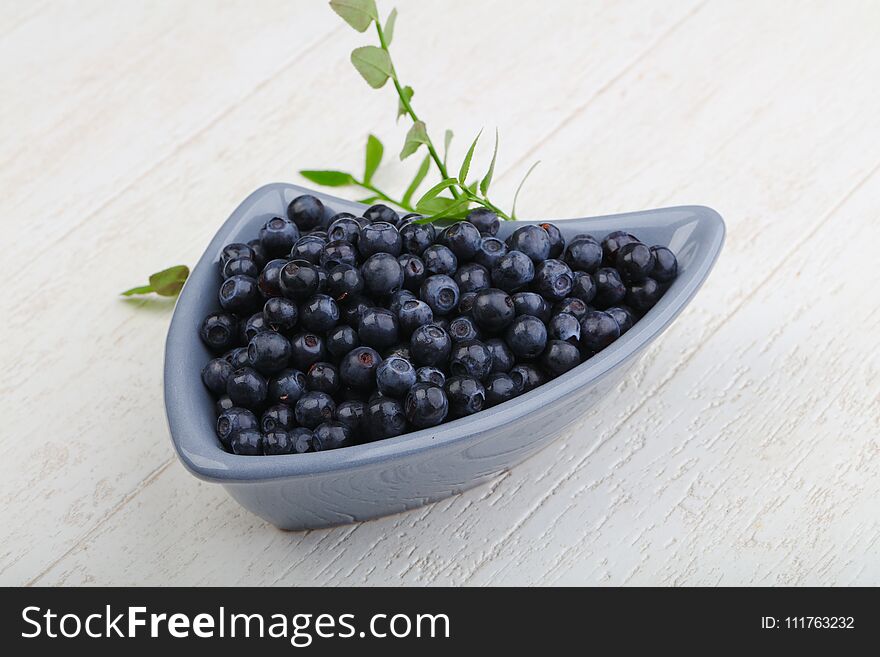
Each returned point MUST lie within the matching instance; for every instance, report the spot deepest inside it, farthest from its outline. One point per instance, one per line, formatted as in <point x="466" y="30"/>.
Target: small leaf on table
<point x="166" y="283"/>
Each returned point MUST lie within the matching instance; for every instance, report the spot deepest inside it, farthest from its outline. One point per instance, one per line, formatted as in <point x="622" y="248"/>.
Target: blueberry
<point x="583" y="253"/>
<point x="378" y="328"/>
<point x="286" y="442"/>
<point x="413" y="314"/>
<point x="466" y="396"/>
<point x="269" y="280"/>
<point x="277" y="418"/>
<point x="395" y="376"/>
<point x="319" y="314"/>
<point x="491" y="250"/>
<point x="281" y="314"/>
<point x="268" y="352"/>
<point x="353" y="309"/>
<point x="224" y="403"/>
<point x="572" y="306"/>
<point x="610" y="290"/>
<point x="502" y="357"/>
<point x="553" y="279"/>
<point x="466" y="304"/>
<point x="533" y="241"/>
<point x="254" y="324"/>
<point x="665" y="264"/>
<point x="493" y="309"/>
<point x="470" y="358"/>
<point x="323" y="377"/>
<point x="339" y="253"/>
<point x="341" y="339"/>
<point x="407" y="219"/>
<point x="286" y="387"/>
<point x="397" y="299"/>
<point x="215" y="375"/>
<point x="513" y="271"/>
<point x="526" y="336"/>
<point x="414" y="271"/>
<point x="308" y="248"/>
<point x="472" y="278"/>
<point x="384" y="418"/>
<point x="643" y="295"/>
<point x="463" y="328"/>
<point x="583" y="286"/>
<point x="234" y="420"/>
<point x="219" y="331"/>
<point x="306" y="211"/>
<point x="358" y="367"/>
<point x="557" y="241"/>
<point x="331" y="435"/>
<point x="499" y="388"/>
<point x="247" y="388"/>
<point x="248" y="442"/>
<point x="240" y="267"/>
<point x="351" y="414"/>
<point x="314" y="408"/>
<point x="298" y="280"/>
<point x="430" y="345"/>
<point x="635" y="261"/>
<point x="559" y="357"/>
<point x="260" y="255"/>
<point x="379" y="237"/>
<point x="442" y="322"/>
<point x="238" y="357"/>
<point x="240" y="295"/>
<point x="439" y="259"/>
<point x="611" y="244"/>
<point x="344" y="228"/>
<point x="344" y="281"/>
<point x="278" y="236"/>
<point x="235" y="250"/>
<point x="598" y="330"/>
<point x="463" y="239"/>
<point x="531" y="303"/>
<point x="430" y="374"/>
<point x="441" y="293"/>
<point x="319" y="234"/>
<point x="382" y="274"/>
<point x="425" y="405"/>
<point x="415" y="238"/>
<point x="485" y="221"/>
<point x="379" y="212"/>
<point x="624" y="317"/>
<point x="526" y="377"/>
<point x="306" y="348"/>
<point x="564" y="326"/>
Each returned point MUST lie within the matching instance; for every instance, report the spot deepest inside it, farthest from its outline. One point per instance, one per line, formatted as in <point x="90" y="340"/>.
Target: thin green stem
<point x="409" y="109"/>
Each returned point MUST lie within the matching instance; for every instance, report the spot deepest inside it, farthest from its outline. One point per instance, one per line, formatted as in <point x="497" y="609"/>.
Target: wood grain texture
<point x="741" y="450"/>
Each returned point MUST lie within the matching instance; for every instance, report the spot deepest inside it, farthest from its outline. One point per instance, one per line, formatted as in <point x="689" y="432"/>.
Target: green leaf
<point x="416" y="136"/>
<point x="373" y="157"/>
<point x="369" y="199"/>
<point x="328" y="178"/>
<point x="166" y="283"/>
<point x="521" y="183"/>
<point x="420" y="176"/>
<point x="451" y="208"/>
<point x="401" y="108"/>
<point x="487" y="180"/>
<point x="389" y="27"/>
<point x="374" y="65"/>
<point x="466" y="165"/>
<point x="434" y="191"/>
<point x="357" y="13"/>
<point x="434" y="206"/>
<point x="447" y="139"/>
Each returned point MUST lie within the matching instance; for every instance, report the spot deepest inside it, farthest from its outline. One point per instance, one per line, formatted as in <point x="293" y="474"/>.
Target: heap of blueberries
<point x="346" y="330"/>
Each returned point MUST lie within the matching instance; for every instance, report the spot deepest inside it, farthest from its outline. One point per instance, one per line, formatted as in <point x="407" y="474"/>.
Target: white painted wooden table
<point x="743" y="449"/>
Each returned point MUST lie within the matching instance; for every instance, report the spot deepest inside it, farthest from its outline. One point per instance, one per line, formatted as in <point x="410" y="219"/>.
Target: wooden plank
<point x="92" y="462"/>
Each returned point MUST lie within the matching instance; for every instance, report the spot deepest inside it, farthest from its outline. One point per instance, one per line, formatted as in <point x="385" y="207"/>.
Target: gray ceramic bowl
<point x="358" y="483"/>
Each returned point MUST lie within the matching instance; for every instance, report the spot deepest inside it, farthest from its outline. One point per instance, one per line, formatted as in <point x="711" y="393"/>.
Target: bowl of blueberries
<point x="329" y="362"/>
